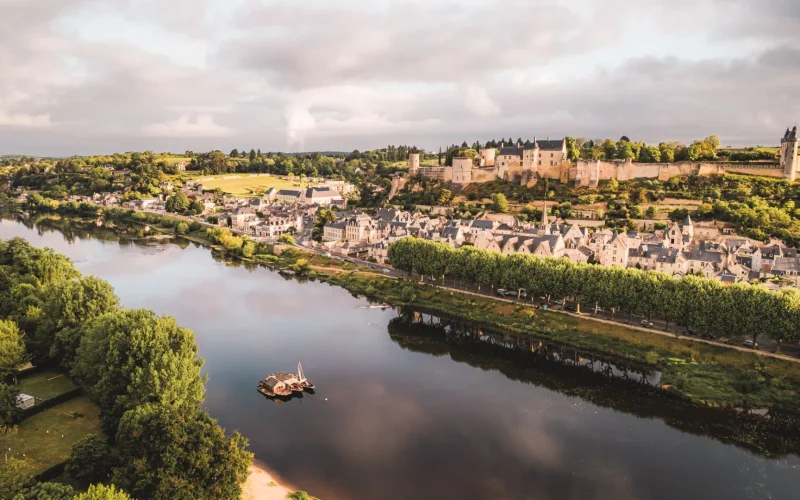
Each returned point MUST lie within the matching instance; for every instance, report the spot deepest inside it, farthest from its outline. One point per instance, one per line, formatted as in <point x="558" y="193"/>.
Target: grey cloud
<point x="441" y="43"/>
<point x="426" y="73"/>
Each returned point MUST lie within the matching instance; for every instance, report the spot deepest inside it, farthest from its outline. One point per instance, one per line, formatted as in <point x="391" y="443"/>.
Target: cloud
<point x="478" y="101"/>
<point x="185" y="126"/>
<point x="92" y="76"/>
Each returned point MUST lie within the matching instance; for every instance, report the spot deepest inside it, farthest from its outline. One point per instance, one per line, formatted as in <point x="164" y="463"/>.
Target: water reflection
<point x="609" y="383"/>
<point x="433" y="408"/>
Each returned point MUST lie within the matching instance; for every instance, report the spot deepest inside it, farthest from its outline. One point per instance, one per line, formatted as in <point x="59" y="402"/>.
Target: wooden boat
<point x="290" y="380"/>
<point x="304" y="382"/>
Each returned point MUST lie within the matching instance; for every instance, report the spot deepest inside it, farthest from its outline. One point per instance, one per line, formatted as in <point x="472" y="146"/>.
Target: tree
<point x="234" y="153"/>
<point x="649" y="154"/>
<point x="196" y="207"/>
<point x="103" y="492"/>
<point x="301" y="266"/>
<point x="12" y="349"/>
<point x="47" y="491"/>
<point x="14" y="474"/>
<point x="90" y="460"/>
<point x="499" y="203"/>
<point x="573" y="154"/>
<point x="67" y="307"/>
<point x="651" y="212"/>
<point x="178" y="202"/>
<point x="286" y="238"/>
<point x="182" y="228"/>
<point x="128" y="358"/>
<point x="168" y="453"/>
<point x="8" y="405"/>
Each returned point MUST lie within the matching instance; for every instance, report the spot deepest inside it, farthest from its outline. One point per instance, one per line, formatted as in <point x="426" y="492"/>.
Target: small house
<point x="275" y="385"/>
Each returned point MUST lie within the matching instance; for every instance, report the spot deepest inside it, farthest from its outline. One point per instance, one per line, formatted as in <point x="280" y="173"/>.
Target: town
<point x="708" y="248"/>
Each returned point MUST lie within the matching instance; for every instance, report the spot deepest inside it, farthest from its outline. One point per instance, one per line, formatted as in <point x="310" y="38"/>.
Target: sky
<point x="102" y="76"/>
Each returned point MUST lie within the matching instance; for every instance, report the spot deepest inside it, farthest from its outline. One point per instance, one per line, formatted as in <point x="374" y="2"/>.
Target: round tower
<point x="790" y="161"/>
<point x="487" y="157"/>
<point x="413" y="164"/>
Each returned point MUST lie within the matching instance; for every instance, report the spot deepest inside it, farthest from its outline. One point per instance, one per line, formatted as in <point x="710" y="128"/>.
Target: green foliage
<point x="169" y="453"/>
<point x="128" y="358"/>
<point x="12" y="348"/>
<point x="225" y="238"/>
<point x="300" y="495"/>
<point x="178" y="202"/>
<point x="182" y="228"/>
<point x="499" y="203"/>
<point x="90" y="460"/>
<point x="301" y="266"/>
<point x="8" y="404"/>
<point x="739" y="310"/>
<point x="103" y="492"/>
<point x="286" y="238"/>
<point x="47" y="491"/>
<point x="14" y="475"/>
<point x="66" y="308"/>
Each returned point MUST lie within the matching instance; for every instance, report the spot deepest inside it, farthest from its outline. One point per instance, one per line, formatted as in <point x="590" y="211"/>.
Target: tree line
<point x="699" y="303"/>
<point x="142" y="370"/>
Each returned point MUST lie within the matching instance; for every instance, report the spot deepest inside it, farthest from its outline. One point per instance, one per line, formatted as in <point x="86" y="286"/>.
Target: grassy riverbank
<point x="704" y="374"/>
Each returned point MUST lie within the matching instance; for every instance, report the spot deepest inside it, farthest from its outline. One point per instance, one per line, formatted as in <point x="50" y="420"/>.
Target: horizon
<point x="86" y="77"/>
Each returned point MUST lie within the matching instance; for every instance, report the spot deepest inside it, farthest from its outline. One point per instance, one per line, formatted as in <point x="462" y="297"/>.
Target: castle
<point x="548" y="160"/>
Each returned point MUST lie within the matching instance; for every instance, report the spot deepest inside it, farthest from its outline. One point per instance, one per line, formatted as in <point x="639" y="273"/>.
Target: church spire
<point x="544" y="224"/>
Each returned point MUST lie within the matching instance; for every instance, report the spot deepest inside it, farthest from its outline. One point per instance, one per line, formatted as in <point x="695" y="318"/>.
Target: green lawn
<point x="46" y="439"/>
<point x="250" y="185"/>
<point x="45" y="384"/>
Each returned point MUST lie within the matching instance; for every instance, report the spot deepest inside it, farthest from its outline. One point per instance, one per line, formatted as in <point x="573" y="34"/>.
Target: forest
<point x="143" y="372"/>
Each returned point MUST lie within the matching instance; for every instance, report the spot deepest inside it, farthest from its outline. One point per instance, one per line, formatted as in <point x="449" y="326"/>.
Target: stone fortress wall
<point x="526" y="165"/>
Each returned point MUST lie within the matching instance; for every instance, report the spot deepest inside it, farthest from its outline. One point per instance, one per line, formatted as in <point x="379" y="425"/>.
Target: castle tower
<point x="413" y="164"/>
<point x="790" y="161"/>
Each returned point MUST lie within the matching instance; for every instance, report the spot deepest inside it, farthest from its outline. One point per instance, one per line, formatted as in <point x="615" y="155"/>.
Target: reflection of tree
<point x="529" y="361"/>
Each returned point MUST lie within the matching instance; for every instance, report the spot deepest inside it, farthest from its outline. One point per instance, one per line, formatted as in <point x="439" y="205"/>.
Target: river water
<point x="408" y="406"/>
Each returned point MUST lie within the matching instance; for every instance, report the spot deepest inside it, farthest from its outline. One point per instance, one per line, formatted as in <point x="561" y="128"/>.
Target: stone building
<point x="549" y="160"/>
<point x="790" y="161"/>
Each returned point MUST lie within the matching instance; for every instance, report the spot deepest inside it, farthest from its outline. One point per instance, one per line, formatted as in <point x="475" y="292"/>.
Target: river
<point x="409" y="410"/>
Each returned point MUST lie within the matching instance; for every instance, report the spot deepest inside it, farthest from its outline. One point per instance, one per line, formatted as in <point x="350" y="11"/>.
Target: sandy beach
<point x="262" y="484"/>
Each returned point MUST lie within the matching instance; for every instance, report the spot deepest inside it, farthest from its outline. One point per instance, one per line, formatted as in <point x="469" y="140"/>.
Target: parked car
<point x="386" y="271"/>
<point x="571" y="308"/>
<point x="523" y="294"/>
<point x="501" y="292"/>
<point x="600" y="310"/>
<point x="690" y="331"/>
<point x="647" y="324"/>
<point x="750" y="344"/>
<point x="559" y="302"/>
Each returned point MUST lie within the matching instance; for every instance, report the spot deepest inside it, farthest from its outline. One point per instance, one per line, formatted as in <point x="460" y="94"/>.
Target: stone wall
<point x="587" y="173"/>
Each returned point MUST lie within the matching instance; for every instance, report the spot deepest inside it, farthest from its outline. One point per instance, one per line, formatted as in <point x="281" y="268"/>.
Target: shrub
<point x="90" y="460"/>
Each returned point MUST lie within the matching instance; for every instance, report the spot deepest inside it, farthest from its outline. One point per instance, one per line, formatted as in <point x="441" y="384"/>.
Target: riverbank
<point x="704" y="374"/>
<point x="262" y="484"/>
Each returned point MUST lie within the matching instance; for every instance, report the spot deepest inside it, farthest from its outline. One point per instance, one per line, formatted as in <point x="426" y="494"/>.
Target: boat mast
<point x="300" y="374"/>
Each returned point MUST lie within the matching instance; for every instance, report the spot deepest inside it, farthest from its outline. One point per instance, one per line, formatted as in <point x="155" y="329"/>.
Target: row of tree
<point x="703" y="304"/>
<point x="142" y="371"/>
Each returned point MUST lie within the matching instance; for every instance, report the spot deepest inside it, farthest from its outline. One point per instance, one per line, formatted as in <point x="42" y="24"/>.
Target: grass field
<point x="46" y="439"/>
<point x="46" y="384"/>
<point x="249" y="185"/>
